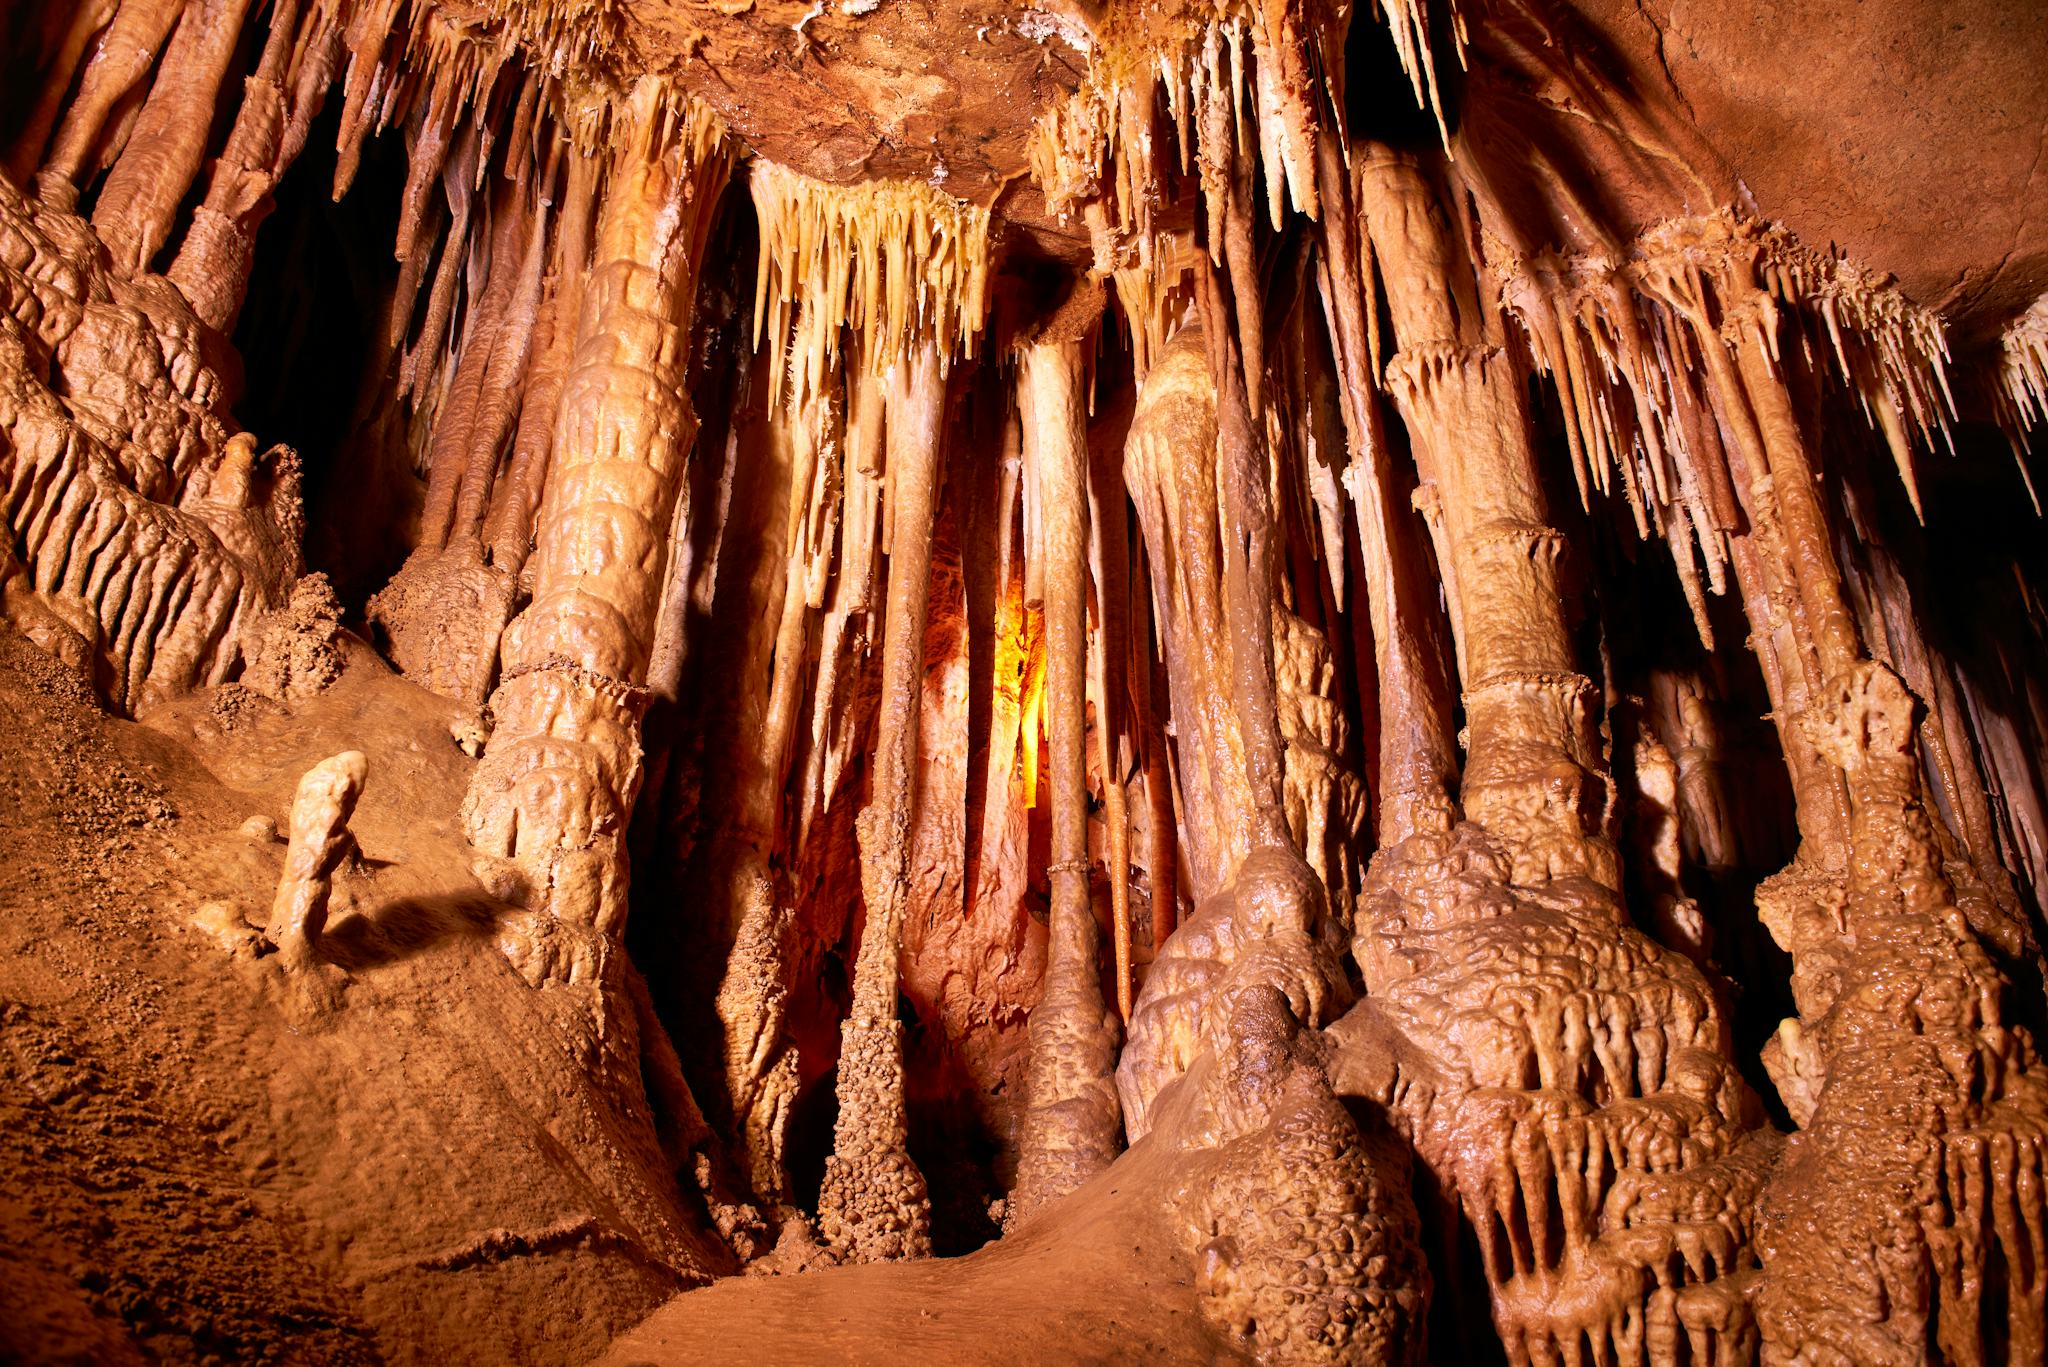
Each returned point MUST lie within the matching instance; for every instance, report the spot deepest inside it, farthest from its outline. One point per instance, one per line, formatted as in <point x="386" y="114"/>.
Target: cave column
<point x="552" y="797"/>
<point x="874" y="1205"/>
<point x="1532" y="750"/>
<point x="1418" y="760"/>
<point x="1071" y="1127"/>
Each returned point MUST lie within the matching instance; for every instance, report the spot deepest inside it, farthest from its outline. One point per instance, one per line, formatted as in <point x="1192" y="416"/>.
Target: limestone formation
<point x="1071" y="1129"/>
<point x="319" y="841"/>
<point x="127" y="490"/>
<point x="1112" y="680"/>
<point x="554" y="791"/>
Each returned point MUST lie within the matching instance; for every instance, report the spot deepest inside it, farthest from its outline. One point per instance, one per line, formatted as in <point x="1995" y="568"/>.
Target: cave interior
<point x="1079" y="681"/>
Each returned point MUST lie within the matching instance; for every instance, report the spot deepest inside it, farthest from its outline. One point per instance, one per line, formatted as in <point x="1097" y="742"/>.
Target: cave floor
<point x="413" y="1157"/>
<point x="410" y="1157"/>
<point x="1097" y="1280"/>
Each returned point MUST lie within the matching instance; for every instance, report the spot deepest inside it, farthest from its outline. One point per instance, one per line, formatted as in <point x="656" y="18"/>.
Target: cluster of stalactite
<point x="878" y="620"/>
<point x="1569" y="1081"/>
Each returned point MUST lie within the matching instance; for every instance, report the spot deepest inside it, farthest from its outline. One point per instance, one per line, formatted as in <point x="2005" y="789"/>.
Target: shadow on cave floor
<point x="438" y="1164"/>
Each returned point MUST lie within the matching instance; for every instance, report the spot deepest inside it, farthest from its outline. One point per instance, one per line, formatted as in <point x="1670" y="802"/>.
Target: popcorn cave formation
<point x="1095" y="681"/>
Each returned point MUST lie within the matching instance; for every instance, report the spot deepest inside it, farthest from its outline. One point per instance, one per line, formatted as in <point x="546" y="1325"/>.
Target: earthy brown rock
<point x="554" y="792"/>
<point x="1520" y="513"/>
<point x="319" y="842"/>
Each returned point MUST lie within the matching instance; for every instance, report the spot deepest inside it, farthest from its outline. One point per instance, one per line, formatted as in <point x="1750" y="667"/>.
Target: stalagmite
<point x="320" y="840"/>
<point x="753" y="995"/>
<point x="864" y="296"/>
<point x="874" y="1205"/>
<point x="1518" y="901"/>
<point x="1071" y="1129"/>
<point x="1914" y="1172"/>
<point x="557" y="784"/>
<point x="1256" y="970"/>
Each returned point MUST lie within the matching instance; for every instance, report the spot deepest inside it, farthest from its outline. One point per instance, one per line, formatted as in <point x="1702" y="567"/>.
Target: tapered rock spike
<point x="319" y="839"/>
<point x="86" y="22"/>
<point x="896" y="263"/>
<point x="124" y="55"/>
<point x="874" y="1205"/>
<point x="508" y="528"/>
<point x="139" y="202"/>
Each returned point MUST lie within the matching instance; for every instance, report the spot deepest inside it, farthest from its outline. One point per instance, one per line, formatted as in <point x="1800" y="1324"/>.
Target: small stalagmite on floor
<point x="318" y="840"/>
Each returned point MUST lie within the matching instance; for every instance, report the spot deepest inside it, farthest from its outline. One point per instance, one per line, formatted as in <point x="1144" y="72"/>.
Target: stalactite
<point x="140" y="199"/>
<point x="899" y="272"/>
<point x="1070" y="1130"/>
<point x="491" y="371"/>
<point x="1162" y="859"/>
<point x="1257" y="966"/>
<point x="1170" y="468"/>
<point x="557" y="784"/>
<point x="277" y="109"/>
<point x="87" y="22"/>
<point x="1562" y="1065"/>
<point x="2023" y="384"/>
<point x="1109" y="651"/>
<point x="894" y="263"/>
<point x="851" y="605"/>
<point x="455" y="652"/>
<point x="1263" y="63"/>
<point x="508" y="534"/>
<point x="504" y="377"/>
<point x="370" y="29"/>
<point x="457" y="246"/>
<point x="124" y="55"/>
<point x="874" y="1205"/>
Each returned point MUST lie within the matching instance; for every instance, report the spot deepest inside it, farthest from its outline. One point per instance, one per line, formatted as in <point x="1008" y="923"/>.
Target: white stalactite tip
<point x="896" y="263"/>
<point x="2022" y="391"/>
